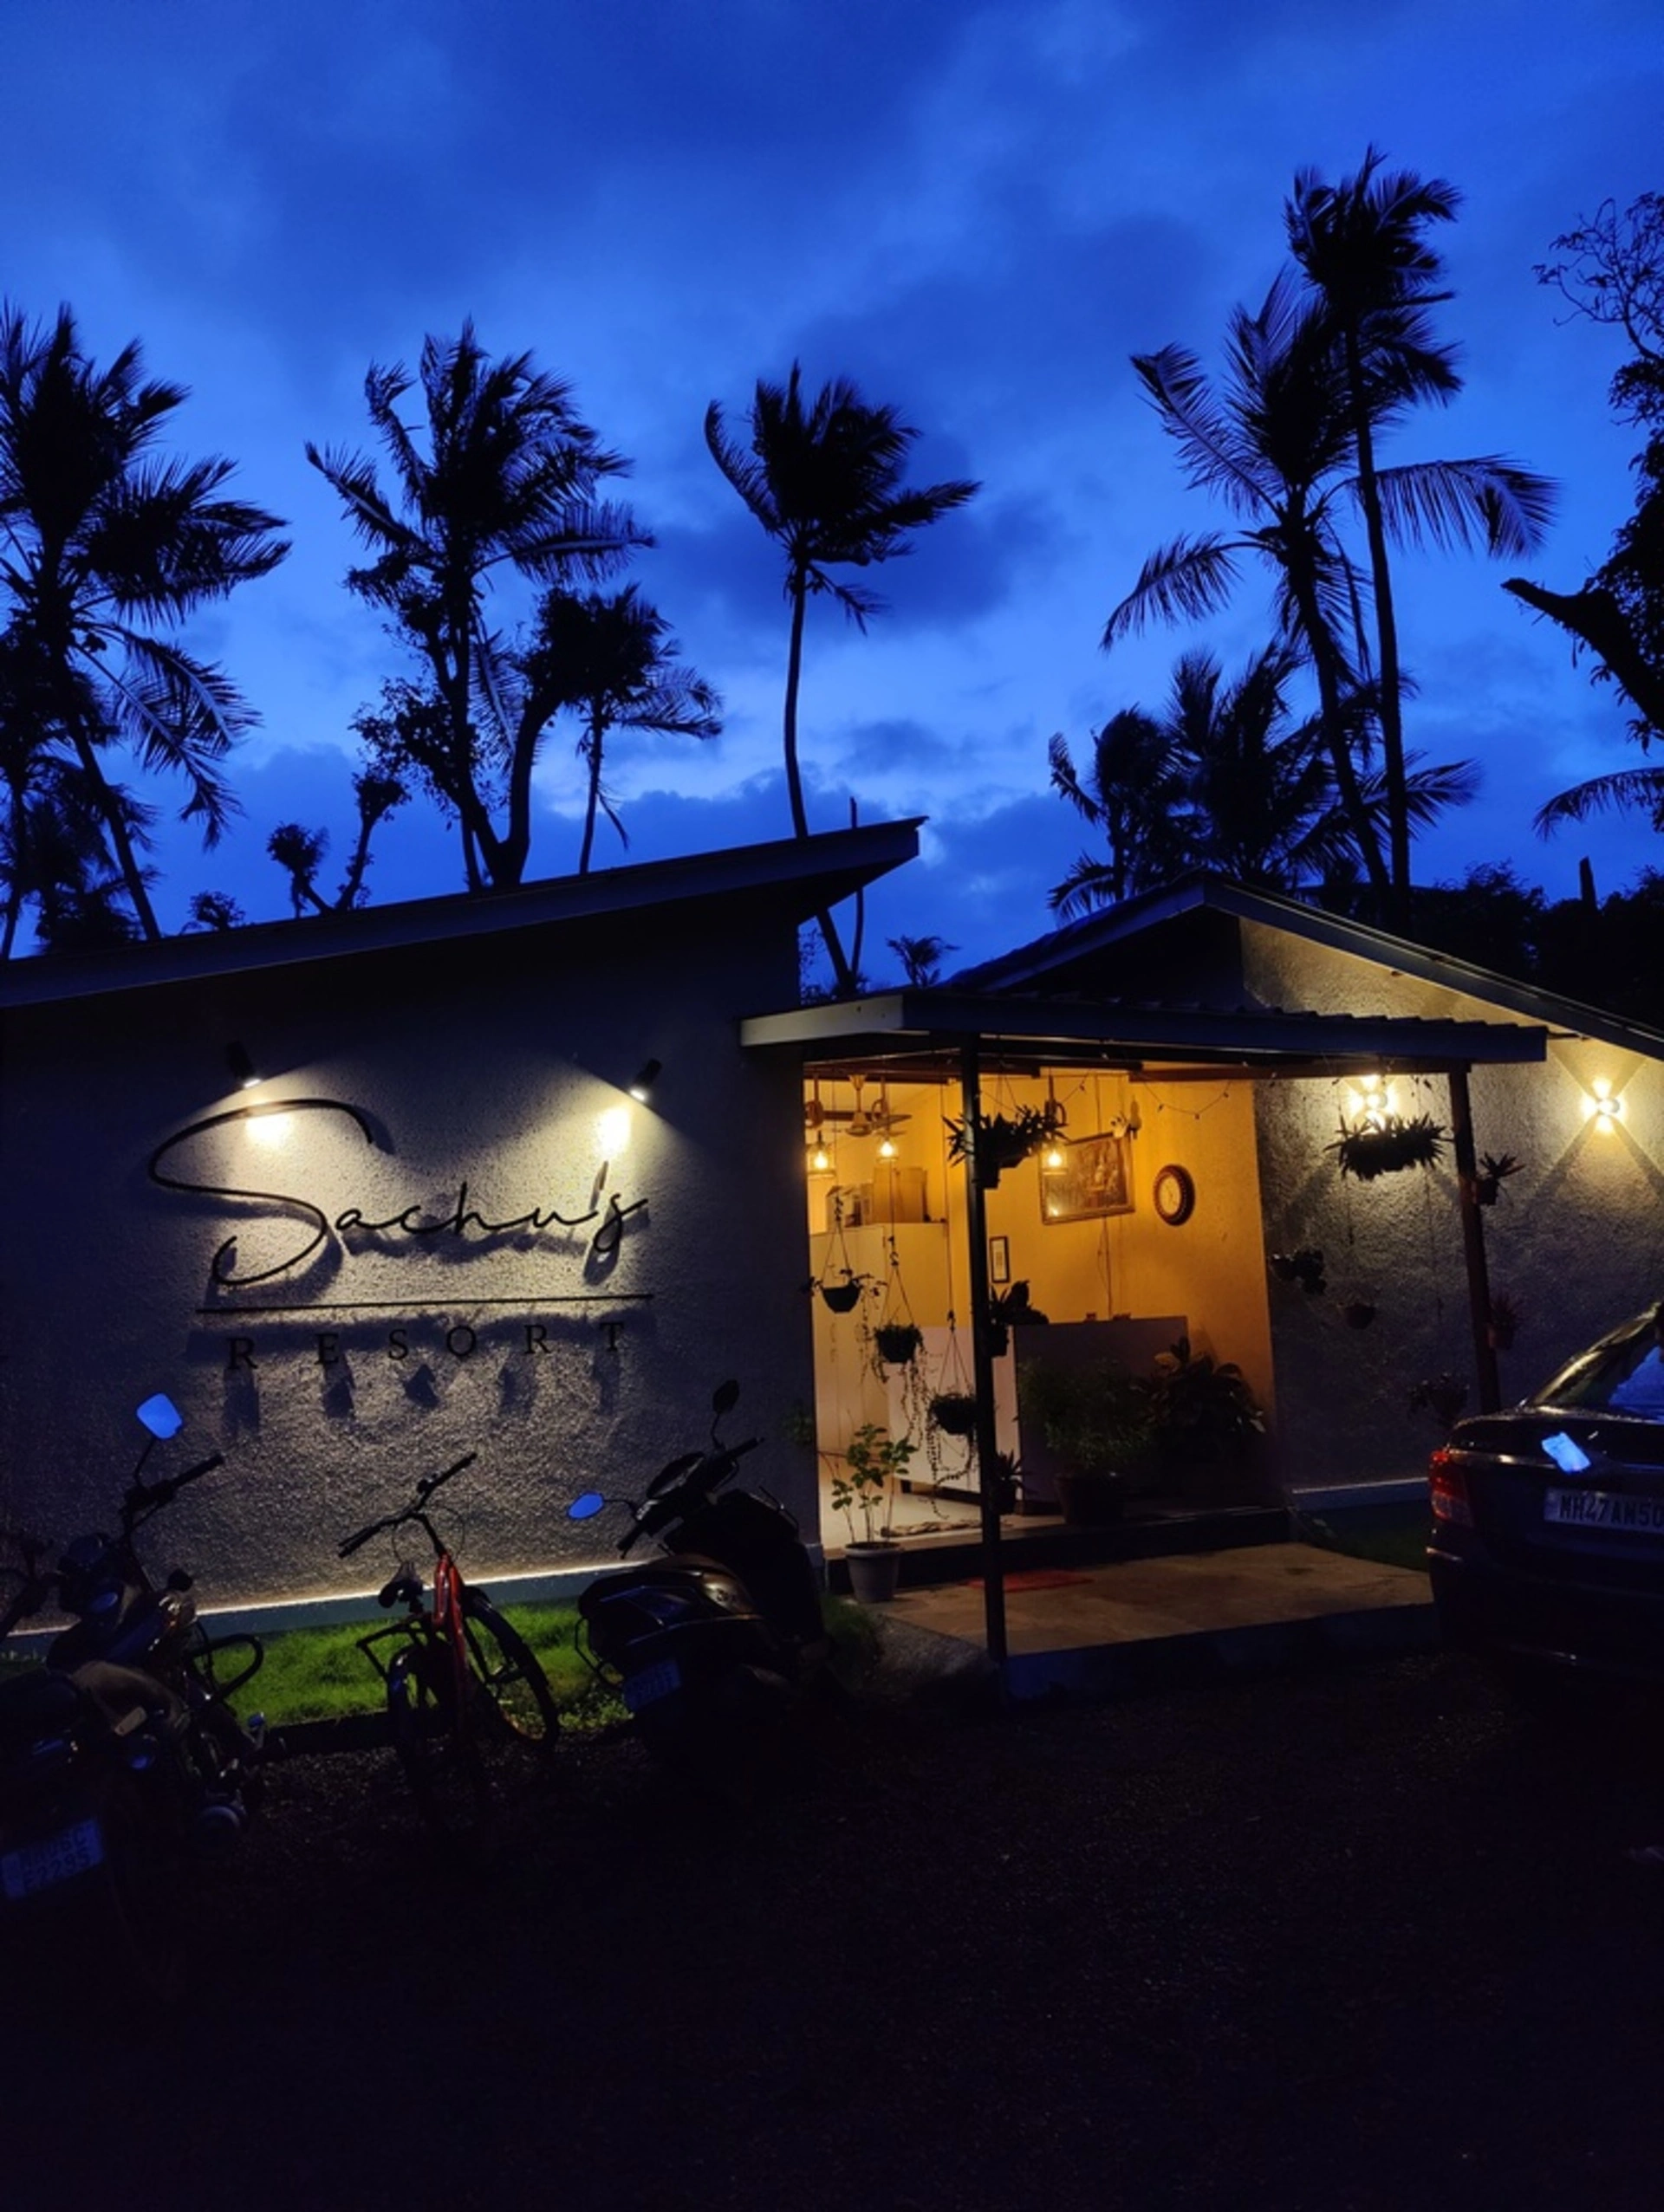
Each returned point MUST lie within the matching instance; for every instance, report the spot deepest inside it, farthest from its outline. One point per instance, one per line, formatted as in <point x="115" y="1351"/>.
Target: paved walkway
<point x="1140" y="1623"/>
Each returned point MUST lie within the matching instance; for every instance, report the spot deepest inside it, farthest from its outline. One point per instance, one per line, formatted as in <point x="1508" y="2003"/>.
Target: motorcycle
<point x="711" y="1643"/>
<point x="119" y="1754"/>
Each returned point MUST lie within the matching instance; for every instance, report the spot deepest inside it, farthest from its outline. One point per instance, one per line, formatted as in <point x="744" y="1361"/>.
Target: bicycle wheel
<point x="517" y="1691"/>
<point x="436" y="1746"/>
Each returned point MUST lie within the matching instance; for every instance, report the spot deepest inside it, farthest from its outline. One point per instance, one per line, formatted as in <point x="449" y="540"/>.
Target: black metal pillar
<point x="982" y="1370"/>
<point x="1478" y="1278"/>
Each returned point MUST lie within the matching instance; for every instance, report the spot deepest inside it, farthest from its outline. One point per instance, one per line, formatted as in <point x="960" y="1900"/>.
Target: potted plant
<point x="1304" y="1267"/>
<point x="1384" y="1147"/>
<point x="1206" y="1416"/>
<point x="897" y="1343"/>
<point x="1495" y="1168"/>
<point x="1443" y="1396"/>
<point x="873" y="1461"/>
<point x="994" y="1142"/>
<point x="1096" y="1420"/>
<point x="1008" y="1310"/>
<point x="955" y="1412"/>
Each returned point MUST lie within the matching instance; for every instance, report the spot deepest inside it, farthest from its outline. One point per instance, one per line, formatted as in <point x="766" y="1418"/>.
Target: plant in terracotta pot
<point x="873" y="1461"/>
<point x="1097" y="1420"/>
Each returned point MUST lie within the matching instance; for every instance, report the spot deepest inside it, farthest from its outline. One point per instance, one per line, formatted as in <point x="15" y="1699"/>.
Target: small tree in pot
<point x="1097" y="1420"/>
<point x="873" y="1461"/>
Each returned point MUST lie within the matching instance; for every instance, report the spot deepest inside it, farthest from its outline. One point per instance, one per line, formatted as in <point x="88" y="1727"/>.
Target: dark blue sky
<point x="978" y="212"/>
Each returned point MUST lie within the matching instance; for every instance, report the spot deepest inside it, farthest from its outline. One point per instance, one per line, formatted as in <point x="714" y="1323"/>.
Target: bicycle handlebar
<point x="411" y="1511"/>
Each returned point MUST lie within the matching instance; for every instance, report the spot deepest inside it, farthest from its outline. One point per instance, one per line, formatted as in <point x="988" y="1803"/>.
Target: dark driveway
<point x="1365" y="1940"/>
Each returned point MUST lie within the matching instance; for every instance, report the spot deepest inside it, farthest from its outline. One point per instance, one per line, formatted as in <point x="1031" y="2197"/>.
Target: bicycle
<point x="461" y="1678"/>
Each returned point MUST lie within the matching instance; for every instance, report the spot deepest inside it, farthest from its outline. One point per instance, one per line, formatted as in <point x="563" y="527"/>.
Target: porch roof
<point x="895" y="1031"/>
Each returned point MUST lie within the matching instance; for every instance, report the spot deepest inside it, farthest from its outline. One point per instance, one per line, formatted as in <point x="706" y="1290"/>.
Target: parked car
<point x="1547" y="1549"/>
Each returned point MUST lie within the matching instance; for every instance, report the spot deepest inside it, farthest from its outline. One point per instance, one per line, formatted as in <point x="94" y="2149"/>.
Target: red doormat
<point x="1036" y="1578"/>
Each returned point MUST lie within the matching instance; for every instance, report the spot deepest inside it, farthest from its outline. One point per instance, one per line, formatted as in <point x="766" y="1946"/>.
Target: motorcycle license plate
<point x="652" y="1683"/>
<point x="56" y="1858"/>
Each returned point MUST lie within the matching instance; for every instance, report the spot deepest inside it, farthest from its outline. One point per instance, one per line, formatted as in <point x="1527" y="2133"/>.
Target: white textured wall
<point x="1576" y="1238"/>
<point x="493" y="1063"/>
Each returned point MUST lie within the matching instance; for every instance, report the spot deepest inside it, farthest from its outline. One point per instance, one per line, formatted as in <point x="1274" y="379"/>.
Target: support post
<point x="1478" y="1279"/>
<point x="982" y="1376"/>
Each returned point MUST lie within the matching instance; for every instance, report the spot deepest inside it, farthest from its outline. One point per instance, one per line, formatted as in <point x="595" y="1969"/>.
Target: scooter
<point x="709" y="1644"/>
<point x="119" y="1754"/>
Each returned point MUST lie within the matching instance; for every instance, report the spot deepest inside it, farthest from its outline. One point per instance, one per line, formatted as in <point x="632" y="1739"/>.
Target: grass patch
<point x="1394" y="1535"/>
<point x="320" y="1674"/>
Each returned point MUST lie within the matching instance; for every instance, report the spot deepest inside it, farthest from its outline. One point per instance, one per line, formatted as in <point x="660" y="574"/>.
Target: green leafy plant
<point x="1202" y="1409"/>
<point x="1098" y="1419"/>
<point x="874" y="1460"/>
<point x="955" y="1412"/>
<point x="994" y="1142"/>
<point x="1383" y="1148"/>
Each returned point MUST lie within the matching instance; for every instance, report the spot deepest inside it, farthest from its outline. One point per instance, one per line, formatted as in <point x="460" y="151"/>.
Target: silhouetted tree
<point x="109" y="549"/>
<point x="610" y="658"/>
<point x="1362" y="245"/>
<point x="1611" y="270"/>
<point x="507" y="486"/>
<point x="824" y="479"/>
<point x="922" y="959"/>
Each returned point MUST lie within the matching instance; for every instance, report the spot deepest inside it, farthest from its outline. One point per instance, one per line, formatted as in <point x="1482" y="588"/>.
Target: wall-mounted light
<point x="244" y="1074"/>
<point x="642" y="1082"/>
<point x="1368" y="1104"/>
<point x="1605" y="1108"/>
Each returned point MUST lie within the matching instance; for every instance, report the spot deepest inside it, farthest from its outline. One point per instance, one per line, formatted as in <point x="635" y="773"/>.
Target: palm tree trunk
<point x="122" y="843"/>
<point x="1321" y="647"/>
<point x="797" y="590"/>
<point x="592" y="754"/>
<point x="1390" y="687"/>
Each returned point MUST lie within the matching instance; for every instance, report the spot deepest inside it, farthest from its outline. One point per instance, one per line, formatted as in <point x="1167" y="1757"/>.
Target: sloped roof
<point x="1064" y="959"/>
<point x="791" y="877"/>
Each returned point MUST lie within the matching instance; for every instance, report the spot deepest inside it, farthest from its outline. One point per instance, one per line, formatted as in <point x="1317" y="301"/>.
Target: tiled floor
<point x="1135" y="1600"/>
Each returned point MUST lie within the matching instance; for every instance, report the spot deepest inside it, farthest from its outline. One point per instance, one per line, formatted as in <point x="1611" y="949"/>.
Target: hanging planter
<point x="994" y="1142"/>
<point x="955" y="1412"/>
<point x="1357" y="1313"/>
<point x="1384" y="1147"/>
<point x="840" y="1286"/>
<point x="842" y="1297"/>
<point x="1495" y="1168"/>
<point x="1304" y="1267"/>
<point x="897" y="1343"/>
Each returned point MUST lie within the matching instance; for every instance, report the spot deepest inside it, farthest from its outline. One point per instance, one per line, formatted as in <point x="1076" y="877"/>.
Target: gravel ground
<point x="1357" y="1940"/>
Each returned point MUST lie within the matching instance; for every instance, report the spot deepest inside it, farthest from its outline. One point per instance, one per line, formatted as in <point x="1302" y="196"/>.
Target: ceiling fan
<point x="861" y="1120"/>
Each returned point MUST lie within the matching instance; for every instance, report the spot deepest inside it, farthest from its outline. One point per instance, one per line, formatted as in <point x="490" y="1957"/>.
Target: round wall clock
<point x="1175" y="1194"/>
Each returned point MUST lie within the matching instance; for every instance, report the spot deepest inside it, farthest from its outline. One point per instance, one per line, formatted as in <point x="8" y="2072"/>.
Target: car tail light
<point x="1448" y="1485"/>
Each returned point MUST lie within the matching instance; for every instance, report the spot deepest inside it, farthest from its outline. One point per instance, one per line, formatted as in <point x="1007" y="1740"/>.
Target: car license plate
<point x="1605" y="1509"/>
<point x="58" y="1858"/>
<point x="652" y="1683"/>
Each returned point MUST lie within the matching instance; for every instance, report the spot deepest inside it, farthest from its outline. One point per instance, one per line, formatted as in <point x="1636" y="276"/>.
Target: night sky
<point x="976" y="212"/>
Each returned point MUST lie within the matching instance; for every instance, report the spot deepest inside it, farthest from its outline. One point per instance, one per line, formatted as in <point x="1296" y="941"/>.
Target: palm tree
<point x="507" y="484"/>
<point x="612" y="658"/>
<point x="922" y="959"/>
<point x="823" y="477"/>
<point x="106" y="549"/>
<point x="1362" y="248"/>
<point x="1272" y="446"/>
<point x="1131" y="792"/>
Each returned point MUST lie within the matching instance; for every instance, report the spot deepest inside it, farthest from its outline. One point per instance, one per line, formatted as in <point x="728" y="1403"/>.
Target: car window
<point x="1591" y="1378"/>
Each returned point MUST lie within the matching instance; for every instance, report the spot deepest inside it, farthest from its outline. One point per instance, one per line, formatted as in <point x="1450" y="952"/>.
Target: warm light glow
<point x="887" y="1150"/>
<point x="612" y="1131"/>
<point x="1055" y="1156"/>
<point x="269" y="1130"/>
<point x="1369" y="1103"/>
<point x="820" y="1161"/>
<point x="1605" y="1106"/>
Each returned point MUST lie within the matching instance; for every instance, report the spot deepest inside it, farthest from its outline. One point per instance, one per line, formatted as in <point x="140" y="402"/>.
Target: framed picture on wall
<point x="1094" y="1177"/>
<point x="999" y="1259"/>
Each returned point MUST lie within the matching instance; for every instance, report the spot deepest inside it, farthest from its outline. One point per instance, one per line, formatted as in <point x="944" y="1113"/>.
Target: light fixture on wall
<point x="244" y="1074"/>
<point x="1605" y="1108"/>
<point x="1368" y="1104"/>
<point x="642" y="1082"/>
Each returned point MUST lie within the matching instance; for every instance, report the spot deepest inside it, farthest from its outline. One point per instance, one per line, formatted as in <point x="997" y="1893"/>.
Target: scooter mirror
<point x="161" y="1417"/>
<point x="725" y="1399"/>
<point x="586" y="1506"/>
